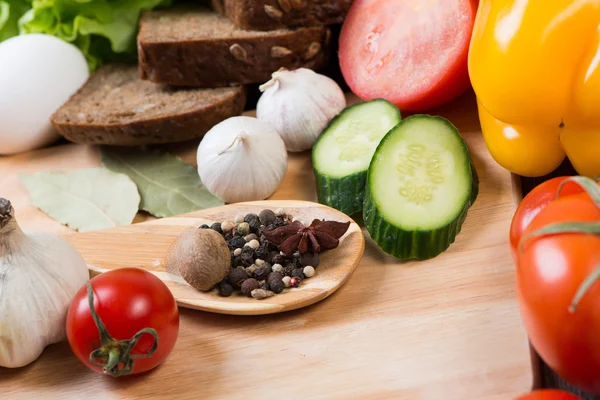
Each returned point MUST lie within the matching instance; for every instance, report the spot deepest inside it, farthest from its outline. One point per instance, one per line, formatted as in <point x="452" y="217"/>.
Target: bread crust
<point x="276" y="14"/>
<point x="231" y="60"/>
<point x="172" y="128"/>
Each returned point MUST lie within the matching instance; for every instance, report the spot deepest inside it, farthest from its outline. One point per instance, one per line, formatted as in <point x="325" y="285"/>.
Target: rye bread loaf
<point x="202" y="48"/>
<point x="276" y="14"/>
<point x="116" y="107"/>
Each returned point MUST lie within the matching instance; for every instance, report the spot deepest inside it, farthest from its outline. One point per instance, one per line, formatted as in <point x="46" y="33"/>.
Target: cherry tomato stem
<point x="114" y="353"/>
<point x="588" y="184"/>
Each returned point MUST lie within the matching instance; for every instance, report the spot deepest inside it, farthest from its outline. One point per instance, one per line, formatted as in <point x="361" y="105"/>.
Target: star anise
<point x="320" y="235"/>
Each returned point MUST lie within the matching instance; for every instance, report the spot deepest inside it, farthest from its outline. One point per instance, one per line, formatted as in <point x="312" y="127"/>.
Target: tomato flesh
<point x="548" y="394"/>
<point x="412" y="53"/>
<point x="127" y="300"/>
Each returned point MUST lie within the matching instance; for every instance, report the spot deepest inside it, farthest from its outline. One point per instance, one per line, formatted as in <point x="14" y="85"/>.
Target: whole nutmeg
<point x="249" y="285"/>
<point x="200" y="256"/>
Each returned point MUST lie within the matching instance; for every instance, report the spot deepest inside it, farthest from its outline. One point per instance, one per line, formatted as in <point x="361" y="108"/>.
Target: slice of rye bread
<point x="200" y="47"/>
<point x="116" y="107"/>
<point x="265" y="15"/>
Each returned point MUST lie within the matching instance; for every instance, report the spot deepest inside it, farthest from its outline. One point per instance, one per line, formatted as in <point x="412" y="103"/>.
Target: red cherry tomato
<point x="536" y="201"/>
<point x="412" y="53"/>
<point x="548" y="394"/>
<point x="558" y="267"/>
<point x="137" y="324"/>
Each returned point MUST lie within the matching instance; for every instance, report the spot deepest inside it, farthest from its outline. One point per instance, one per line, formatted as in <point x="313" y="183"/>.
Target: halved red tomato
<point x="412" y="53"/>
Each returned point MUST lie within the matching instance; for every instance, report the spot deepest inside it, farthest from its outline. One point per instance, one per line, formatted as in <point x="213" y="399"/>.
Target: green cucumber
<point x="343" y="152"/>
<point x="420" y="186"/>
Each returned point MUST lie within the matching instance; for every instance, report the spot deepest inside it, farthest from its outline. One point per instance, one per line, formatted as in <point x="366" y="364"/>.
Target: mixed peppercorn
<point x="271" y="252"/>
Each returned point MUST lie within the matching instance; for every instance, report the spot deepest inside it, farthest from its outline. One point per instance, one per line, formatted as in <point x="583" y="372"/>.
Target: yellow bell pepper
<point x="535" y="68"/>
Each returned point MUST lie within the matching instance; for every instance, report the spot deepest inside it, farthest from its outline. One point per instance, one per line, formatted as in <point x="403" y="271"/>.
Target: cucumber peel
<point x="420" y="185"/>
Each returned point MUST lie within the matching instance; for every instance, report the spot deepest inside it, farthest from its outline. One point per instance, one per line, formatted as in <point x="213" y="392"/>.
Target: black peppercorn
<point x="204" y="226"/>
<point x="265" y="286"/>
<point x="237" y="261"/>
<point x="311" y="259"/>
<point x="237" y="276"/>
<point x="249" y="285"/>
<point x="254" y="225"/>
<point x="236" y="242"/>
<point x="297" y="273"/>
<point x="280" y="221"/>
<point x="262" y="272"/>
<point x="262" y="252"/>
<point x="216" y="227"/>
<point x="278" y="259"/>
<point x="275" y="281"/>
<point x="225" y="289"/>
<point x="250" y="216"/>
<point x="266" y="217"/>
<point x="248" y="256"/>
<point x="271" y="257"/>
<point x="227" y="236"/>
<point x="289" y="270"/>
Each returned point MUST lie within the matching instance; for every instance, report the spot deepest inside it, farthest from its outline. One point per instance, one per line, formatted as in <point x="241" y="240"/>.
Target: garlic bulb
<point x="39" y="275"/>
<point x="299" y="104"/>
<point x="242" y="159"/>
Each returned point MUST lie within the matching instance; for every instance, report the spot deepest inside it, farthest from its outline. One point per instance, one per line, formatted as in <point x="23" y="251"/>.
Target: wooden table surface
<point x="447" y="328"/>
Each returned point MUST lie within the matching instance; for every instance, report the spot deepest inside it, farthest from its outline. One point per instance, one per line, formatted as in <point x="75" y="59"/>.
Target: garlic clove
<point x="242" y="159"/>
<point x="299" y="104"/>
<point x="41" y="274"/>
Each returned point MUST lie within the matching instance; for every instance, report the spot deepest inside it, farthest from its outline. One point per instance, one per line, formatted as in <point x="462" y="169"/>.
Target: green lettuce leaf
<point x="104" y="30"/>
<point x="10" y="12"/>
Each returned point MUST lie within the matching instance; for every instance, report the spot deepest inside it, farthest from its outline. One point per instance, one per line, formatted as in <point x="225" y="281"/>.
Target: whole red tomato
<point x="558" y="264"/>
<point x="536" y="201"/>
<point x="548" y="394"/>
<point x="134" y="325"/>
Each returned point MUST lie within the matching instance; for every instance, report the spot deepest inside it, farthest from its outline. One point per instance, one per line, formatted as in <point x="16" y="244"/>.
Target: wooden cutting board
<point x="446" y="328"/>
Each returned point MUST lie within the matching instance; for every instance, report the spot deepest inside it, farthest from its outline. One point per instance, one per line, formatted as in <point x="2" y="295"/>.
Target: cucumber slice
<point x="420" y="185"/>
<point x="342" y="155"/>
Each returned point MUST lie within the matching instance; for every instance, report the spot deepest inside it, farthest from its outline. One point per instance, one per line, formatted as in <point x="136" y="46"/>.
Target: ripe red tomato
<point x="557" y="288"/>
<point x="548" y="394"/>
<point x="412" y="53"/>
<point x="536" y="201"/>
<point x="134" y="308"/>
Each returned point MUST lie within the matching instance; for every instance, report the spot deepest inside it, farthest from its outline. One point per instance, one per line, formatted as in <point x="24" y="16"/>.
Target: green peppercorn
<point x="243" y="229"/>
<point x="249" y="285"/>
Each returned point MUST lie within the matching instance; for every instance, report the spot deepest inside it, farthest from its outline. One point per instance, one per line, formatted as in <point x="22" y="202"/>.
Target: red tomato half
<point x="548" y="394"/>
<point x="412" y="53"/>
<point x="126" y="300"/>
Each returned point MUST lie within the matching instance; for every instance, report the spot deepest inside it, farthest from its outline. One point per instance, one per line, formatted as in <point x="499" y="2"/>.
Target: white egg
<point x="38" y="74"/>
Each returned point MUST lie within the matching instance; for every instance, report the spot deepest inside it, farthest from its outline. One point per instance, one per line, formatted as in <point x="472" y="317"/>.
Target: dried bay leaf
<point x="86" y="199"/>
<point x="167" y="185"/>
